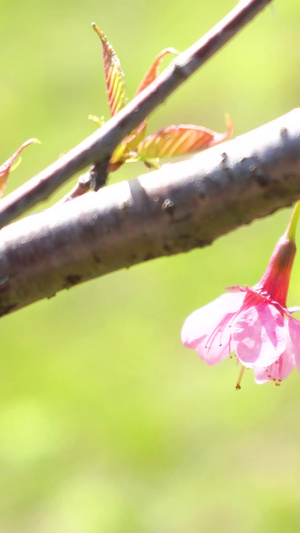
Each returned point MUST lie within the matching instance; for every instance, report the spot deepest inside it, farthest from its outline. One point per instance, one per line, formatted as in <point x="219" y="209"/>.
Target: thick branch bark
<point x="99" y="146"/>
<point x="179" y="207"/>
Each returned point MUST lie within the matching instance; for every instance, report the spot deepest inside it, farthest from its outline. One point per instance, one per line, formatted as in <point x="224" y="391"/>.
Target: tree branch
<point x="171" y="210"/>
<point x="99" y="146"/>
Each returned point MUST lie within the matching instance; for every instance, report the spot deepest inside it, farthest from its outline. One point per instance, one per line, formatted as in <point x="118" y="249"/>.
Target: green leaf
<point x="114" y="76"/>
<point x="8" y="166"/>
<point x="118" y="153"/>
<point x="99" y="121"/>
<point x="180" y="140"/>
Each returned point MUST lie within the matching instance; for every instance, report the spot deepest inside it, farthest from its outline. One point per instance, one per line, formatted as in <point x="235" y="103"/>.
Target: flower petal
<point x="208" y="331"/>
<point x="286" y="362"/>
<point x="294" y="331"/>
<point x="260" y="335"/>
<point x="277" y="371"/>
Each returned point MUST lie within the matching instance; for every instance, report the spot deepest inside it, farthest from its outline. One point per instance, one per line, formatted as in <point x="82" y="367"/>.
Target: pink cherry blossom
<point x="254" y="323"/>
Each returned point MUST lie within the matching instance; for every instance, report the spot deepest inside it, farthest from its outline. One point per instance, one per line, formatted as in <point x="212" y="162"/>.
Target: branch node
<point x="98" y="174"/>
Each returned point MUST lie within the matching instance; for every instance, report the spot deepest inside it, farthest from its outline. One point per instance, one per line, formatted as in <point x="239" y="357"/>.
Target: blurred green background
<point x="107" y="423"/>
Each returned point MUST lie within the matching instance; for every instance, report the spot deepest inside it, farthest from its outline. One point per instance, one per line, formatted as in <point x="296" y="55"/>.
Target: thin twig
<point x="174" y="209"/>
<point x="94" y="179"/>
<point x="83" y="185"/>
<point x="100" y="145"/>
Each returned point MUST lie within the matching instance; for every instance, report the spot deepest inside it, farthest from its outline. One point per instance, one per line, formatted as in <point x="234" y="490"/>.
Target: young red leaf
<point x="152" y="72"/>
<point x="132" y="140"/>
<point x="114" y="76"/>
<point x="168" y="142"/>
<point x="7" y="166"/>
<point x="180" y="140"/>
<point x="138" y="134"/>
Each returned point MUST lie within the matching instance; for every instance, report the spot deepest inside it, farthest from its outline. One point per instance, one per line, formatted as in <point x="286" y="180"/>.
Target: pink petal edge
<point x="206" y="329"/>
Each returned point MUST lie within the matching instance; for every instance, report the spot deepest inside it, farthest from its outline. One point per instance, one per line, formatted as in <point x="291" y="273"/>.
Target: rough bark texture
<point x="99" y="146"/>
<point x="179" y="207"/>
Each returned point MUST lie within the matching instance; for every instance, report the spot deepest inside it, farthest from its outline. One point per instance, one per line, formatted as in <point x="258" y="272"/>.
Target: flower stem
<point x="291" y="229"/>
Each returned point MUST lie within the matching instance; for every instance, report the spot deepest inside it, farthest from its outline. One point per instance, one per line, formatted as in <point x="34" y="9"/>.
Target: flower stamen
<point x="238" y="383"/>
<point x="217" y="333"/>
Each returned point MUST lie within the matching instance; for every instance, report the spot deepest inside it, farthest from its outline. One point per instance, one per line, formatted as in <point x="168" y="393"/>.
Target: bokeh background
<point x="107" y="423"/>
